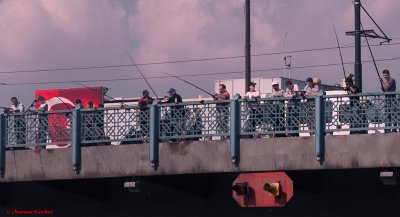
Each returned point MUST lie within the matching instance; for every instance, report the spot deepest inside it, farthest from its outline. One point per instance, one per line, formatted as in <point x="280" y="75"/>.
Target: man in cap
<point x="173" y="96"/>
<point x="276" y="91"/>
<point x="177" y="115"/>
<point x="277" y="109"/>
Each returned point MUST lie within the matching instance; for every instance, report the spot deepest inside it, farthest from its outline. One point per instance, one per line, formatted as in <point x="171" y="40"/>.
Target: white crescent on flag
<point x="58" y="100"/>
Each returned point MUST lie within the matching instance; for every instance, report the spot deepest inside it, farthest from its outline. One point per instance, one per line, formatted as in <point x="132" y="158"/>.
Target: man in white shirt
<point x="20" y="124"/>
<point x="252" y="93"/>
<point x="311" y="89"/>
<point x="292" y="91"/>
<point x="252" y="107"/>
<point x="278" y="110"/>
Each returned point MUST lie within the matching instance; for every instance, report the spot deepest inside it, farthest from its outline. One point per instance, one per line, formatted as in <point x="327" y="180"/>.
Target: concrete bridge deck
<point x="263" y="154"/>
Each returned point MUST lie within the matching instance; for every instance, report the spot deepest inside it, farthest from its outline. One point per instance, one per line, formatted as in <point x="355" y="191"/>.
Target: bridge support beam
<point x="76" y="140"/>
<point x="234" y="139"/>
<point x="154" y="134"/>
<point x="319" y="127"/>
<point x="2" y="145"/>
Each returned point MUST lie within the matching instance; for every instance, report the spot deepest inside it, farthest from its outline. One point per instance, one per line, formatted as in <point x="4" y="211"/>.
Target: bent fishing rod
<point x="212" y="95"/>
<point x="141" y="73"/>
<point x="340" y="50"/>
<point x="373" y="59"/>
<point x="102" y="93"/>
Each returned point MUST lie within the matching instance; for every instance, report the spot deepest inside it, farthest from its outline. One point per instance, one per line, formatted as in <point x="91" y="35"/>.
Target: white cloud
<point x="68" y="33"/>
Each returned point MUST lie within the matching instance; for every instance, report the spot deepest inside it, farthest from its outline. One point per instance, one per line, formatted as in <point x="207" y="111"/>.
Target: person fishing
<point x="292" y="91"/>
<point x="18" y="109"/>
<point x="252" y="106"/>
<point x="389" y="85"/>
<point x="356" y="121"/>
<point x="43" y="119"/>
<point x="277" y="110"/>
<point x="144" y="115"/>
<point x="222" y="110"/>
<point x="177" y="114"/>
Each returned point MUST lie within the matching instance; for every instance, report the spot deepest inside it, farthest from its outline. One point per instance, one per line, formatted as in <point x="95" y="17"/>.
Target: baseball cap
<point x="275" y="83"/>
<point x="171" y="90"/>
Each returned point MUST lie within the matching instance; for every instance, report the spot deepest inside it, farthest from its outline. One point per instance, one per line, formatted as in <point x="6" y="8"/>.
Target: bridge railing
<point x="361" y="113"/>
<point x="194" y="120"/>
<point x="34" y="129"/>
<point x="277" y="116"/>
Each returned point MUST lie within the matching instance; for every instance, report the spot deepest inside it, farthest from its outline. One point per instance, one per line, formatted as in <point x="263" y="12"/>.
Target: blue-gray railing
<point x="231" y="119"/>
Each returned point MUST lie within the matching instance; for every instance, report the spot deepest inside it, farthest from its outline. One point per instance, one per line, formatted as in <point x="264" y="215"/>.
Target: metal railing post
<point x="2" y="145"/>
<point x="319" y="126"/>
<point x="234" y="139"/>
<point x="76" y="140"/>
<point x="154" y="134"/>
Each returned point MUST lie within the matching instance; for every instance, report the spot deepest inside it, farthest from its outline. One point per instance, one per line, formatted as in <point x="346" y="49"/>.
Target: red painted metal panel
<point x="258" y="197"/>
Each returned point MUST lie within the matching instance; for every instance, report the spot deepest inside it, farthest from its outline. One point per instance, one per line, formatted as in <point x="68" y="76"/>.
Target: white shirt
<point x="43" y="107"/>
<point x="276" y="93"/>
<point x="311" y="91"/>
<point x="291" y="93"/>
<point x="19" y="107"/>
<point x="252" y="95"/>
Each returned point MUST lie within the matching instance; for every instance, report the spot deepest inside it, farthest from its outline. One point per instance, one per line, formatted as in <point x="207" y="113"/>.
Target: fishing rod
<point x="102" y="93"/>
<point x="141" y="73"/>
<point x="212" y="95"/>
<point x="386" y="38"/>
<point x="340" y="50"/>
<point x="373" y="59"/>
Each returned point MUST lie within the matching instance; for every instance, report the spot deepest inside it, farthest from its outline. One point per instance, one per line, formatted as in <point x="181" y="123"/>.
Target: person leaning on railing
<point x="292" y="92"/>
<point x="311" y="89"/>
<point x="144" y="114"/>
<point x="177" y="113"/>
<point x="19" y="120"/>
<point x="278" y="113"/>
<point x="43" y="120"/>
<point x="252" y="107"/>
<point x="357" y="119"/>
<point x="222" y="110"/>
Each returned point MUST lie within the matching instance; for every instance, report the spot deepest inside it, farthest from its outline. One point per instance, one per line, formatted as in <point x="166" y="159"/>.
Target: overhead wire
<point x="183" y="61"/>
<point x="190" y="75"/>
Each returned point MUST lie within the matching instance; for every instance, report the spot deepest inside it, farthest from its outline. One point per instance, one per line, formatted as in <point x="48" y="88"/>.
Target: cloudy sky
<point x="162" y="35"/>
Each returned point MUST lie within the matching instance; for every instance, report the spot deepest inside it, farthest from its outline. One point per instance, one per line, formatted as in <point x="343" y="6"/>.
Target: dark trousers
<point x="43" y="128"/>
<point x="390" y="113"/>
<point x="20" y="130"/>
<point x="292" y="116"/>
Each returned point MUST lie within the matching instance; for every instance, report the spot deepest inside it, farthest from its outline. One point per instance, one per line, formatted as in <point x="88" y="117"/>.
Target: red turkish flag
<point x="64" y="99"/>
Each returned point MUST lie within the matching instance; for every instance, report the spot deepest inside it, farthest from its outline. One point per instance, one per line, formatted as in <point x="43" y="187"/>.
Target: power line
<point x="190" y="75"/>
<point x="181" y="61"/>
